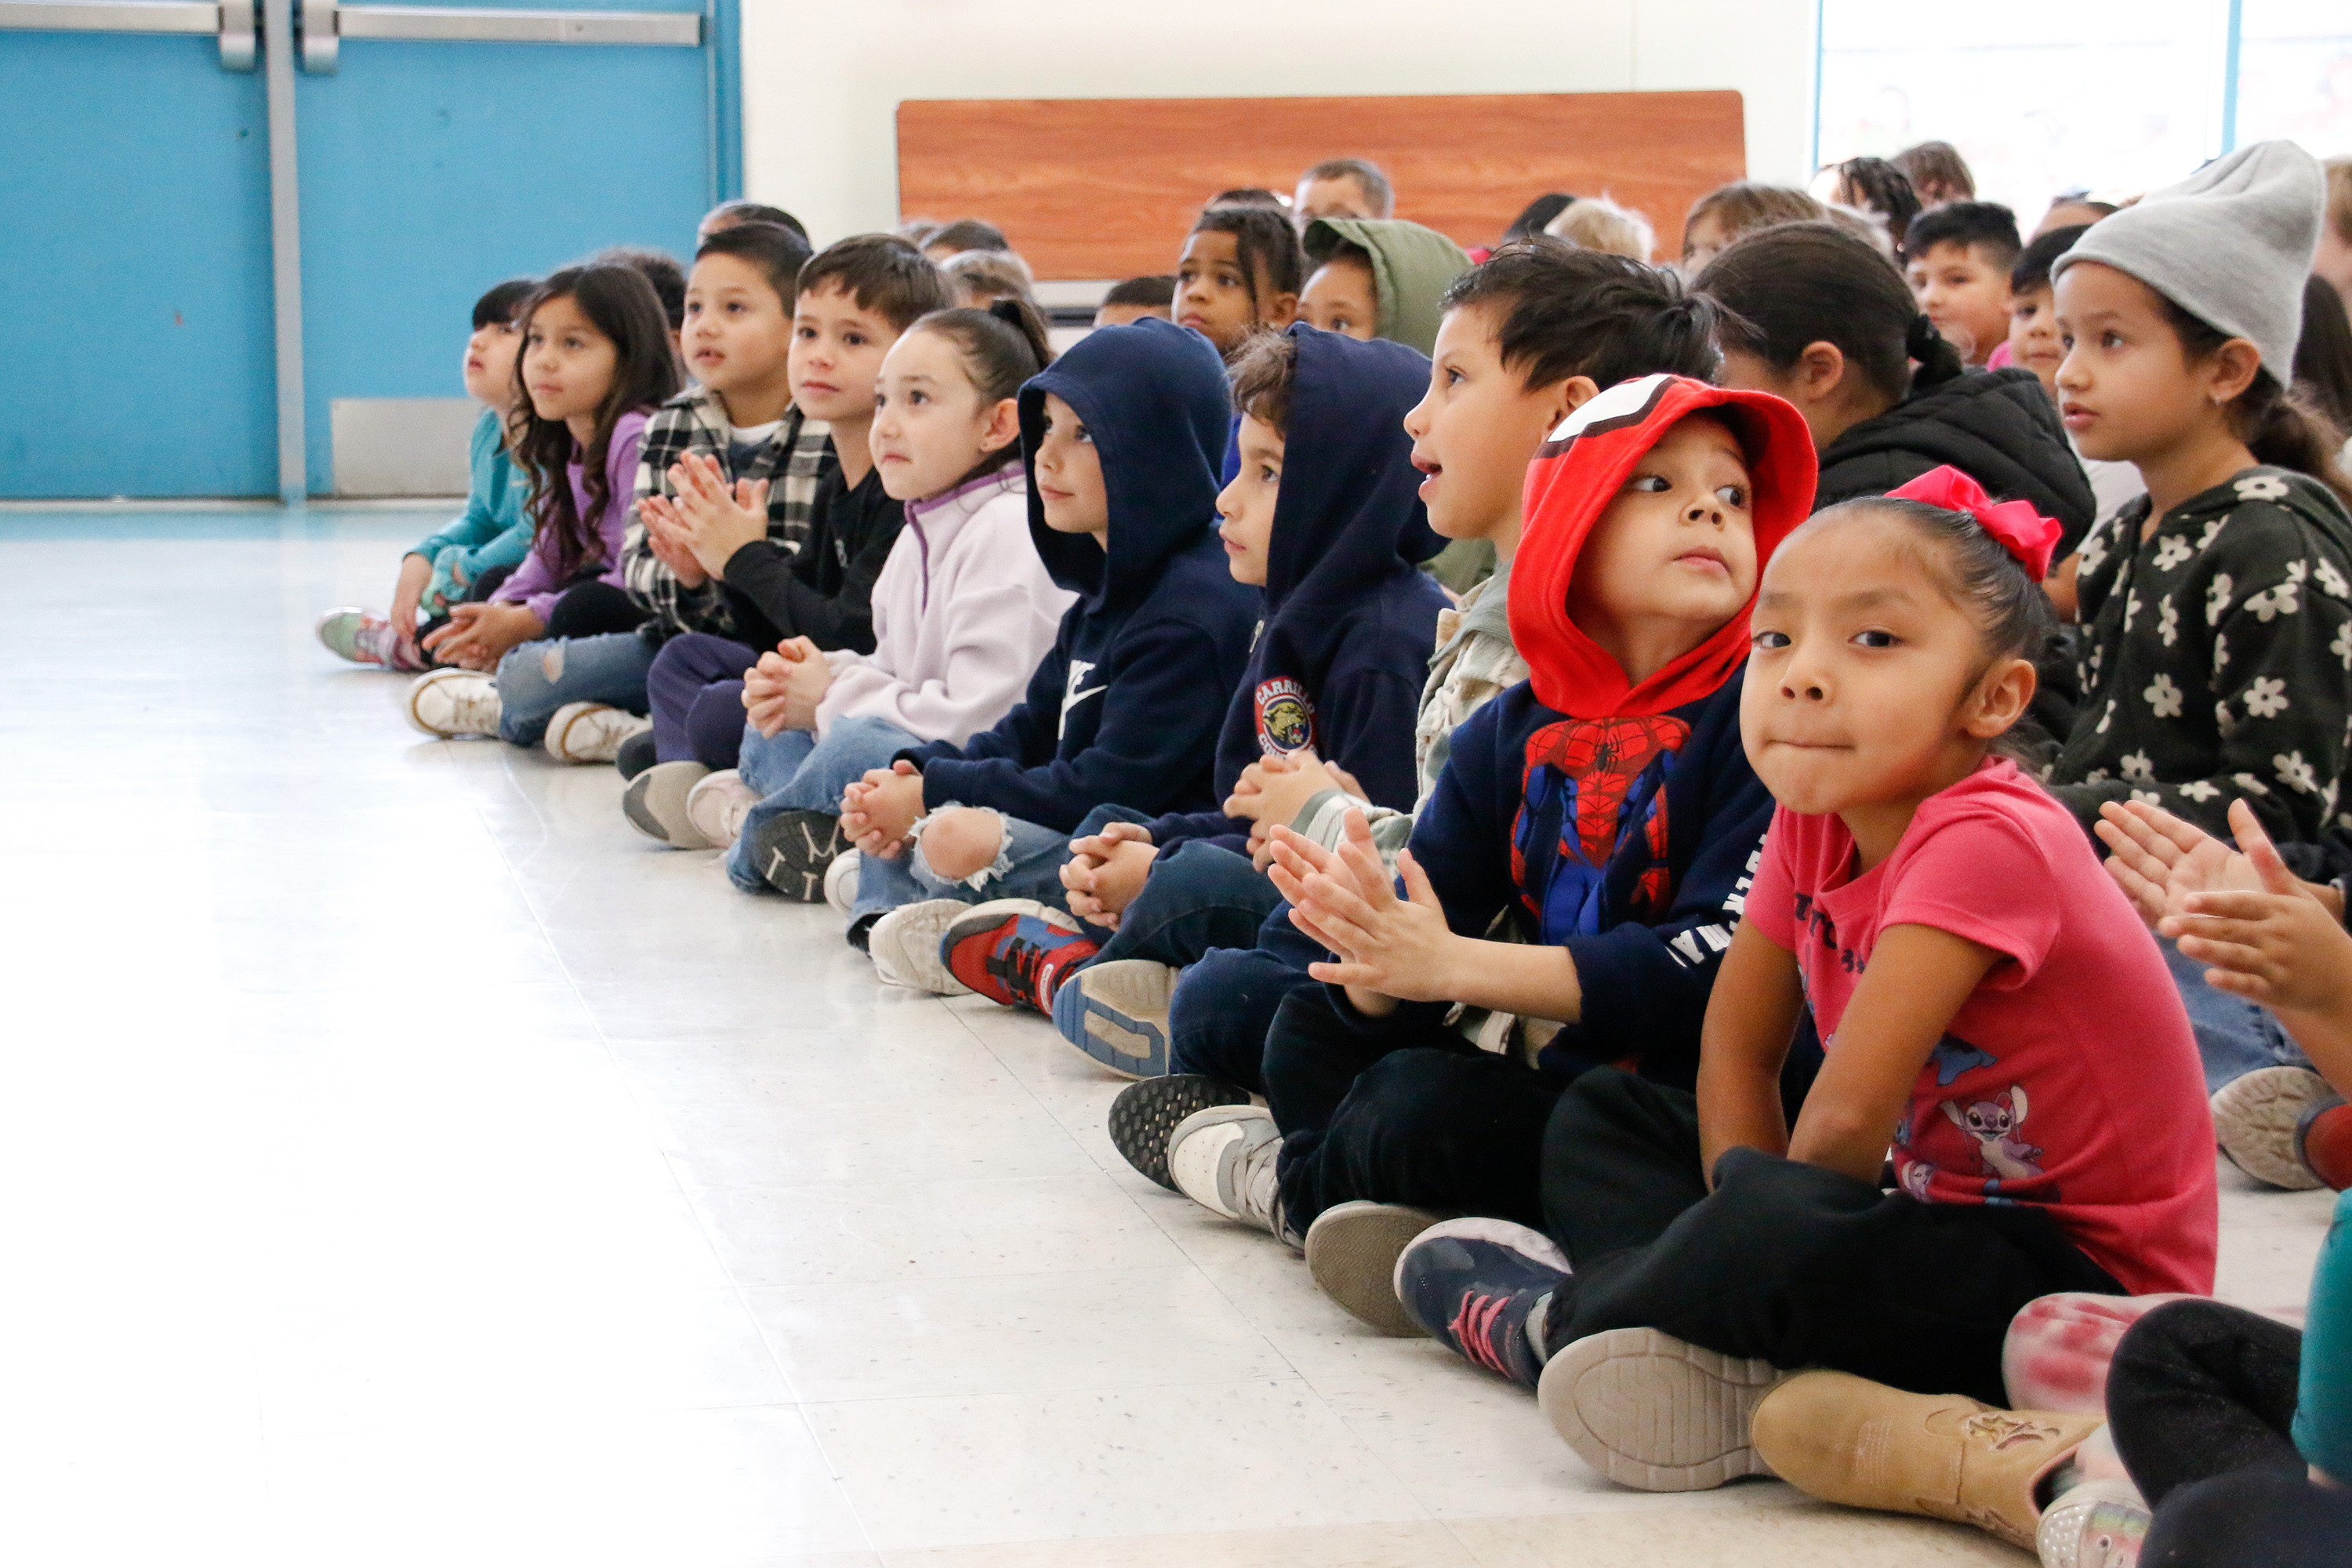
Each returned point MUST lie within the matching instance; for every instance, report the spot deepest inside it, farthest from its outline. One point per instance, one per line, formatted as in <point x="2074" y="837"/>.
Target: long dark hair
<point x="2276" y="425"/>
<point x="1880" y="188"/>
<point x="2323" y="355"/>
<point x="619" y="303"/>
<point x="1799" y="283"/>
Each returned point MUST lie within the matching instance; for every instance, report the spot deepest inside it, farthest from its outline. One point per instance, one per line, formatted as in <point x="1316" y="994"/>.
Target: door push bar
<point x="322" y="25"/>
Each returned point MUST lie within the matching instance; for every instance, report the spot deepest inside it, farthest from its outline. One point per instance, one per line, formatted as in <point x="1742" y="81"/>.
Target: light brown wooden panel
<point x="1107" y="187"/>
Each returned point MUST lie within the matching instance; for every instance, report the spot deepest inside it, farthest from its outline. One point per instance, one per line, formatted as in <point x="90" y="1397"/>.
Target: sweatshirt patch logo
<point x="1286" y="718"/>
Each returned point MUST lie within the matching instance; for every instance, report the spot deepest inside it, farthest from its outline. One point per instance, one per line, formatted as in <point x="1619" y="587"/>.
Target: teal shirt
<point x="496" y="527"/>
<point x="2323" y="1410"/>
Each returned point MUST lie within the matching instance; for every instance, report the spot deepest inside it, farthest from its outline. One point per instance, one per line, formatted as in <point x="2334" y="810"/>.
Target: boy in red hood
<point x="1600" y="820"/>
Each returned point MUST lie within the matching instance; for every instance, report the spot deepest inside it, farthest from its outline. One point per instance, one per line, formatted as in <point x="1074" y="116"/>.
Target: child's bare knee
<point x="962" y="841"/>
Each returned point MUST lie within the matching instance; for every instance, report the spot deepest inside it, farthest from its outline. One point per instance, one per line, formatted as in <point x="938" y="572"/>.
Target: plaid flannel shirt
<point x="694" y="421"/>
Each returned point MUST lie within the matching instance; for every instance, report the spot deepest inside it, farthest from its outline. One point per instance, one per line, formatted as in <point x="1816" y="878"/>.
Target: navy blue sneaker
<point x="1470" y="1285"/>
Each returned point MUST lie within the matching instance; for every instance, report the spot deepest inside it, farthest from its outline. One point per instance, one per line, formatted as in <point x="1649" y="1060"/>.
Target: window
<point x="2071" y="95"/>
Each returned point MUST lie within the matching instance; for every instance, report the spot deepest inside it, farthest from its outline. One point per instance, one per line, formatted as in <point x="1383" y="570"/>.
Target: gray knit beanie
<point x="2230" y="245"/>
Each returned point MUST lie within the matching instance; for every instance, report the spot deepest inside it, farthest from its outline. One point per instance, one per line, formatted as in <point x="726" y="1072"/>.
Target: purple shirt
<point x="535" y="584"/>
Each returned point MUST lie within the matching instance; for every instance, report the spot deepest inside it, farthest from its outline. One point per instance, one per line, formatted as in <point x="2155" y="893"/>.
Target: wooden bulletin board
<point x="1105" y="188"/>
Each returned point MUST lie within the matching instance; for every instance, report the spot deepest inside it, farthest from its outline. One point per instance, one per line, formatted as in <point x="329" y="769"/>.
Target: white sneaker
<point x="904" y="946"/>
<point x="841" y="882"/>
<point x="449" y="702"/>
<point x="717" y="805"/>
<point x="2254" y="1119"/>
<point x="1223" y="1159"/>
<point x="655" y="804"/>
<point x="590" y="731"/>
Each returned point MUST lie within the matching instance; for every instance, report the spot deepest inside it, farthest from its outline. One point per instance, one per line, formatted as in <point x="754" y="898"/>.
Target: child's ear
<point x="2231" y="370"/>
<point x="1281" y="311"/>
<point x="1821" y="369"/>
<point x="1002" y="427"/>
<point x="2002" y="698"/>
<point x="1565" y="398"/>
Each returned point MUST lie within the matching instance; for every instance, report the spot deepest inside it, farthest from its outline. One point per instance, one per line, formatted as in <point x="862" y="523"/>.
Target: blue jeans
<point x="535" y="679"/>
<point x="2235" y="1036"/>
<point x="1225" y="1005"/>
<point x="1028" y="866"/>
<point x="794" y="771"/>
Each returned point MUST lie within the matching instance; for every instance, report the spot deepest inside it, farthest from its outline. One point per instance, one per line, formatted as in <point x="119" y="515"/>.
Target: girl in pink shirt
<point x="2010" y="1093"/>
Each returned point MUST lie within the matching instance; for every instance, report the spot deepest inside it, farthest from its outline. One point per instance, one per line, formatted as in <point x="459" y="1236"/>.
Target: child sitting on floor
<point x="1121" y="438"/>
<point x="597" y="359"/>
<point x="1991" y="1010"/>
<point x="1323" y="514"/>
<point x="468" y="559"/>
<point x="785" y="541"/>
<point x="1581" y="859"/>
<point x="1527" y="337"/>
<point x="2215" y="651"/>
<point x="963" y="609"/>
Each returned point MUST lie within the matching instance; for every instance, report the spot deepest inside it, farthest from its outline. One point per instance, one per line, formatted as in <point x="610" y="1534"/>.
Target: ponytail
<point x="1938" y="361"/>
<point x="999" y="347"/>
<point x="2278" y="426"/>
<point x="1797" y="283"/>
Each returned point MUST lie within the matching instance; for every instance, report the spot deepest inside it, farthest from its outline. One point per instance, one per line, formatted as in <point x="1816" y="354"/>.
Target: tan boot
<point x="1849" y="1440"/>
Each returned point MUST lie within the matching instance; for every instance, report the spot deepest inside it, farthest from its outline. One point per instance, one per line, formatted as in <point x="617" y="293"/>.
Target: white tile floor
<point x="407" y="1163"/>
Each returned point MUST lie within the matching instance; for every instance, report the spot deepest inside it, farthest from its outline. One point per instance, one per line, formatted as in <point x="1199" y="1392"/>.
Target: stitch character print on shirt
<point x="1993" y="1124"/>
<point x="1285" y="718"/>
<point x="1593" y="778"/>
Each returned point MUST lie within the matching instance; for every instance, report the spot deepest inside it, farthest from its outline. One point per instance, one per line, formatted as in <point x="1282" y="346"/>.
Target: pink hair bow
<point x="2024" y="533"/>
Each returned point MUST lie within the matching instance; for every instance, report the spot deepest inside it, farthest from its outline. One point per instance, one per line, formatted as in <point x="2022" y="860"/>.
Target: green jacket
<point x="1411" y="268"/>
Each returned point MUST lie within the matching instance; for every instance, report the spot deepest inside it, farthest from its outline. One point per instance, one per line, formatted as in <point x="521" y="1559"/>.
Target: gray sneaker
<point x="1223" y="1159"/>
<point x="655" y="804"/>
<point x="2254" y="1121"/>
<point x="1147" y="1113"/>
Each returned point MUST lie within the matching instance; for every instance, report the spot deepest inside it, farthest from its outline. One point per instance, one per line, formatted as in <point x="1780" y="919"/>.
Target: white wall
<point x="822" y="80"/>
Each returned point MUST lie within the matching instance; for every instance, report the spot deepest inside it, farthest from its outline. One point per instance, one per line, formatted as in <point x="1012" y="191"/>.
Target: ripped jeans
<point x="535" y="679"/>
<point x="794" y="771"/>
<point x="1028" y="865"/>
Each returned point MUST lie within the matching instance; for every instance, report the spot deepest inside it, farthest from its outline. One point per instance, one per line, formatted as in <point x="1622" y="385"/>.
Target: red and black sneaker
<point x="2323" y="1142"/>
<point x="1014" y="952"/>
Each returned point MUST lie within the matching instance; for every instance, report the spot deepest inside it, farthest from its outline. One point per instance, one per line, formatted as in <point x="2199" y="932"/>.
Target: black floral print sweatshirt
<point x="2215" y="658"/>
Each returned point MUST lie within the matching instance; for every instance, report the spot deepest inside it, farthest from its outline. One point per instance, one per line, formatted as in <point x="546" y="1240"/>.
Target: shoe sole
<point x="1352" y="1250"/>
<point x="1144" y="1118"/>
<point x="1111" y="1036"/>
<point x="795" y="849"/>
<point x="935" y="979"/>
<point x="1652" y="1412"/>
<point x="2254" y="1121"/>
<point x="650" y="797"/>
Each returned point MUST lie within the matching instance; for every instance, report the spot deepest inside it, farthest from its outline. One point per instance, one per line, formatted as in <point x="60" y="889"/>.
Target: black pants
<point x="1423" y="1116"/>
<point x="2199" y="1389"/>
<point x="2252" y="1519"/>
<point x="1223" y="1010"/>
<point x="593" y="608"/>
<point x="1793" y="1264"/>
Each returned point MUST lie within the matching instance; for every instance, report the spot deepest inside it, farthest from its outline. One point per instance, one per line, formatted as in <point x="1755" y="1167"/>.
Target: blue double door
<point x="139" y="324"/>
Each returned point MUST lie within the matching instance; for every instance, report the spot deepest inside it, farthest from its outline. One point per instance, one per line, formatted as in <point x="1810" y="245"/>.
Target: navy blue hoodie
<point x="1121" y="708"/>
<point x="1350" y="618"/>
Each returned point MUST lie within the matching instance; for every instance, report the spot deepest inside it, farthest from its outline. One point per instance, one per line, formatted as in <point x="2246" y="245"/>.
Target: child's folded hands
<point x="879" y="809"/>
<point x="713" y="519"/>
<point x="1276" y="789"/>
<point x="1105" y="870"/>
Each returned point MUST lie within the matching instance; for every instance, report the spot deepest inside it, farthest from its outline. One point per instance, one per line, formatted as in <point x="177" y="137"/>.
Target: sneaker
<point x="792" y="849"/>
<point x="1473" y="1284"/>
<point x="1224" y="1158"/>
<point x="655" y="804"/>
<point x="637" y="754"/>
<point x="2254" y="1119"/>
<point x="590" y="731"/>
<point x="717" y="805"/>
<point x="841" y="882"/>
<point x="452" y="702"/>
<point x="1848" y="1440"/>
<point x="1654" y="1413"/>
<point x="1117" y="1014"/>
<point x="2323" y="1142"/>
<point x="1013" y="950"/>
<point x="2060" y="1348"/>
<point x="355" y="635"/>
<point x="904" y="946"/>
<point x="1146" y="1114"/>
<point x="1352" y="1250"/>
<point x="2099" y="1524"/>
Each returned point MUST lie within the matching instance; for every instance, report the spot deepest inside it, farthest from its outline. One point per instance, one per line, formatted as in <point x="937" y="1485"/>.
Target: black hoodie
<point x="1350" y="616"/>
<point x="1121" y="709"/>
<point x="1997" y="426"/>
